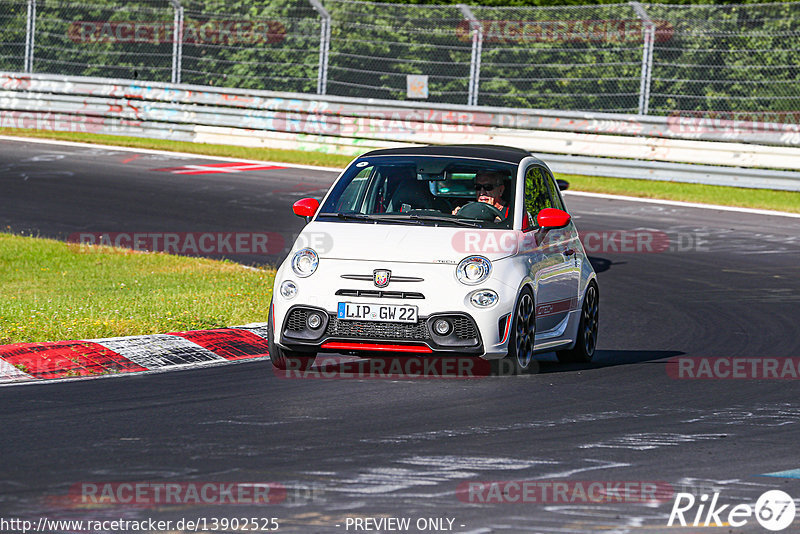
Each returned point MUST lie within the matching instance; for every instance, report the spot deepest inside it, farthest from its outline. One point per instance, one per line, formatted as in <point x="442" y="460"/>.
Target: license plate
<point x="388" y="313"/>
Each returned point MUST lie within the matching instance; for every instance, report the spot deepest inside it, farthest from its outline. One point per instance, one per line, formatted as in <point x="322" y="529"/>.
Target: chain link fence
<point x="375" y="46"/>
<point x="108" y="39"/>
<point x="729" y="61"/>
<point x="262" y="45"/>
<point x="577" y="57"/>
<point x="13" y="34"/>
<point x="727" y="58"/>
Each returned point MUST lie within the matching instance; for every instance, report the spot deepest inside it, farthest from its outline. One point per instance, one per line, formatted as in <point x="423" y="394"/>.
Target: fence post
<point x="177" y="41"/>
<point x="475" y="59"/>
<point x="648" y="35"/>
<point x="324" y="45"/>
<point x="30" y="31"/>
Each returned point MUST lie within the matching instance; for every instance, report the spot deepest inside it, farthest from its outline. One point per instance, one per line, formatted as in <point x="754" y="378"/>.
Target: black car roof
<point x="491" y="152"/>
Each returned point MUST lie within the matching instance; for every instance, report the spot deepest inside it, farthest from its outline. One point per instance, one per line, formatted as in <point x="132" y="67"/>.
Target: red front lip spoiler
<point x="418" y="349"/>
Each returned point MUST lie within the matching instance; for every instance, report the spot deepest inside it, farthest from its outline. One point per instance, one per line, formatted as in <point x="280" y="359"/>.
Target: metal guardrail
<point x="330" y="109"/>
<point x="581" y="143"/>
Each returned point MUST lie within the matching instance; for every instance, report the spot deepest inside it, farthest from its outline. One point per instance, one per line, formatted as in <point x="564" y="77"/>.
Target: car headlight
<point x="483" y="298"/>
<point x="473" y="270"/>
<point x="288" y="289"/>
<point x="304" y="262"/>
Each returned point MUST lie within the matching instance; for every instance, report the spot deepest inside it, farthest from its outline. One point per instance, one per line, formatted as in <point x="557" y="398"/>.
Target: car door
<point x="553" y="265"/>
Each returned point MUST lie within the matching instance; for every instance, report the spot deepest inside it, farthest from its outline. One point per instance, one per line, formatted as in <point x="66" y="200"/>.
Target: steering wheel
<point x="481" y="211"/>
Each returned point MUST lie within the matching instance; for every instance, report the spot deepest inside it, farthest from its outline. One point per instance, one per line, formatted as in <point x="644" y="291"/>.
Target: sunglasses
<point x="485" y="187"/>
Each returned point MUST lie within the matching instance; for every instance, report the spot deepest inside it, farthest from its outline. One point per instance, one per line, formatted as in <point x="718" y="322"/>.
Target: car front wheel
<point x="523" y="335"/>
<point x="586" y="341"/>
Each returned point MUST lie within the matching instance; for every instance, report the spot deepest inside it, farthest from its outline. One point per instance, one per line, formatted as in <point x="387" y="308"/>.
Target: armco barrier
<point x="613" y="145"/>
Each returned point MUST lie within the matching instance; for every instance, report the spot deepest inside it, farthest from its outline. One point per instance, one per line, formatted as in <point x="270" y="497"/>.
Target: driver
<point x="489" y="188"/>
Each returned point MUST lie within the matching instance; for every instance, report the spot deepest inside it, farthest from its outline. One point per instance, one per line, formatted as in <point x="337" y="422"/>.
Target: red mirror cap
<point x="305" y="207"/>
<point x="552" y="218"/>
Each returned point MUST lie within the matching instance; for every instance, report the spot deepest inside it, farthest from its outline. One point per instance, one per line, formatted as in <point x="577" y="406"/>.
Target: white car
<point x="459" y="250"/>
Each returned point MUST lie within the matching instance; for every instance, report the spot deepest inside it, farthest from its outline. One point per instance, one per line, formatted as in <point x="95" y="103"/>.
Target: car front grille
<point x="297" y="320"/>
<point x="376" y="330"/>
<point x="464" y="328"/>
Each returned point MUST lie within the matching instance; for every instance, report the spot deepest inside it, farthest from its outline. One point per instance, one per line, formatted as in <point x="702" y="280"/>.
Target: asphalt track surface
<point x="377" y="448"/>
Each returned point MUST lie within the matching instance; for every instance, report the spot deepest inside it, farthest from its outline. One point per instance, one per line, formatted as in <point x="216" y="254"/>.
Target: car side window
<point x="537" y="193"/>
<point x="553" y="189"/>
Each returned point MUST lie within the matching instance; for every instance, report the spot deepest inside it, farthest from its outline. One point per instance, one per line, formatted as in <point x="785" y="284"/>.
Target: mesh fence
<point x="13" y="20"/>
<point x="271" y="46"/>
<point x="581" y="57"/>
<point x="733" y="58"/>
<point x="375" y="46"/>
<point x="114" y="39"/>
<point x="704" y="59"/>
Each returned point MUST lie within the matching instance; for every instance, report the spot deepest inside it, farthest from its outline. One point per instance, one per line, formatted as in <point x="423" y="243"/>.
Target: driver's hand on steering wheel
<point x="456" y="210"/>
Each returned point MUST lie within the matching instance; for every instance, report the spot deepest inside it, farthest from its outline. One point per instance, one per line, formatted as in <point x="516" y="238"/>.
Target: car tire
<point x="286" y="359"/>
<point x="522" y="338"/>
<point x="586" y="340"/>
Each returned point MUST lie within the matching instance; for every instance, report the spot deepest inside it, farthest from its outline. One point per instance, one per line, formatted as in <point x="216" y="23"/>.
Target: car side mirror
<point x="550" y="218"/>
<point x="563" y="185"/>
<point x="306" y="207"/>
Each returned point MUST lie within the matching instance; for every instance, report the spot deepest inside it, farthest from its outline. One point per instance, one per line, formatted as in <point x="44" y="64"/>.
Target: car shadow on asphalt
<point x="603" y="358"/>
<point x="601" y="265"/>
<point x="399" y="366"/>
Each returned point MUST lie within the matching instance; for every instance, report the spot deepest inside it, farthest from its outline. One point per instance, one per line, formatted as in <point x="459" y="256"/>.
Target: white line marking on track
<point x="208" y="169"/>
<point x="163" y="152"/>
<point x="683" y="204"/>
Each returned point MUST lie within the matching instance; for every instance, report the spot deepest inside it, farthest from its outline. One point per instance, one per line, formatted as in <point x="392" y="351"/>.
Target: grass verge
<point x="51" y="291"/>
<point x="707" y="194"/>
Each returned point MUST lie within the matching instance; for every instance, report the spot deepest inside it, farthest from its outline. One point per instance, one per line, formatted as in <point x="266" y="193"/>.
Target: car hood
<point x="405" y="243"/>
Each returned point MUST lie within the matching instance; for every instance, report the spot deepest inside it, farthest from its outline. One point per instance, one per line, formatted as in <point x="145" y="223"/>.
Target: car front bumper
<point x="338" y="335"/>
<point x="438" y="294"/>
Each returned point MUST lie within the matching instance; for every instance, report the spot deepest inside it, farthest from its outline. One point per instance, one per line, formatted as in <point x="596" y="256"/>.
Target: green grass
<point x="51" y="291"/>
<point x="708" y="194"/>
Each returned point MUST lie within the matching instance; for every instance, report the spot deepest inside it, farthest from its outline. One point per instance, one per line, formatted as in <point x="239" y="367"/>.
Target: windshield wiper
<point x="363" y="217"/>
<point x="434" y="218"/>
<point x="403" y="217"/>
<point x="357" y="216"/>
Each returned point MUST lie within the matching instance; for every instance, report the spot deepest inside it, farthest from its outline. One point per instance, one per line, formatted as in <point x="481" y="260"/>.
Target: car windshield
<point x="431" y="190"/>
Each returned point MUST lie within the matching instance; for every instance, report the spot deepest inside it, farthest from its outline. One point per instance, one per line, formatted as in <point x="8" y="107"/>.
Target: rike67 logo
<point x="774" y="510"/>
